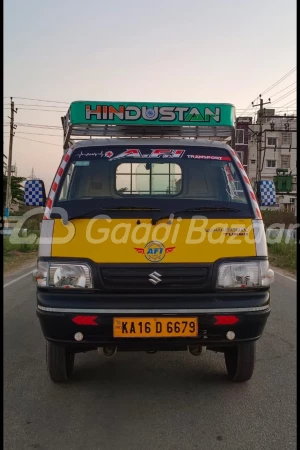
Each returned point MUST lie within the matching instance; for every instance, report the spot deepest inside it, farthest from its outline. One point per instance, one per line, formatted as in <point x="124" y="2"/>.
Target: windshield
<point x="145" y="176"/>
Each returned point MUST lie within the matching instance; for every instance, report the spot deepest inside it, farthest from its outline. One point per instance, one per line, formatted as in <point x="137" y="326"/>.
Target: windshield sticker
<point x="216" y="158"/>
<point x="157" y="153"/>
<point x="82" y="163"/>
<point x="231" y="184"/>
<point x="152" y="153"/>
<point x="101" y="154"/>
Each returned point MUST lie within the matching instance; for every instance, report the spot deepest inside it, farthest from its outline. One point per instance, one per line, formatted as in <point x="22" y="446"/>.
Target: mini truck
<point x="152" y="237"/>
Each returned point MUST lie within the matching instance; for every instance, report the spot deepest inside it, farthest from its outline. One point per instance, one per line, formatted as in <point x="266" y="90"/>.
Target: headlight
<point x="63" y="275"/>
<point x="242" y="275"/>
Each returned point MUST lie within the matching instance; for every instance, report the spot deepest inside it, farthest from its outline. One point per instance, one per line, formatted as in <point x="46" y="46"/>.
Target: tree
<point x="17" y="190"/>
<point x="121" y="190"/>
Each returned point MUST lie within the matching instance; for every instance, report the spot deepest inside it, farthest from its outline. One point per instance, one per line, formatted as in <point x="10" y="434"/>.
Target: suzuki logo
<point x="154" y="277"/>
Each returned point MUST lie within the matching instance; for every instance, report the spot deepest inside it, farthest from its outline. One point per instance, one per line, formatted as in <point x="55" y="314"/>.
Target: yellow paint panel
<point x="123" y="241"/>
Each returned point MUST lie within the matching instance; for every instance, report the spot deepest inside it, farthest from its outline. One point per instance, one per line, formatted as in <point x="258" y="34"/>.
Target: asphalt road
<point x="139" y="401"/>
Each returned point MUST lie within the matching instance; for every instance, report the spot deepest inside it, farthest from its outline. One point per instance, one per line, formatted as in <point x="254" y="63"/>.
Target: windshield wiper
<point x="154" y="220"/>
<point x="202" y="209"/>
<point x="137" y="208"/>
<point x="115" y="208"/>
<point x="87" y="213"/>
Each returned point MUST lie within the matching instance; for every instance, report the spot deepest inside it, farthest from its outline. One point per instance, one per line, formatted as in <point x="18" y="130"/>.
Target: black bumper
<point x="56" y="311"/>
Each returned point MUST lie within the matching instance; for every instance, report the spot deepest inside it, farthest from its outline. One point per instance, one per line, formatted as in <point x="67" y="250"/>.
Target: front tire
<point x="60" y="362"/>
<point x="240" y="361"/>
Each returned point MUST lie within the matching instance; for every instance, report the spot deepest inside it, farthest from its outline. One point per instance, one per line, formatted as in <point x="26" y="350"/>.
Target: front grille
<point x="189" y="278"/>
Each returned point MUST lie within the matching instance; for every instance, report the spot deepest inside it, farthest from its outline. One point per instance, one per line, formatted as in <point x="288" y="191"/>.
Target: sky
<point x="137" y="50"/>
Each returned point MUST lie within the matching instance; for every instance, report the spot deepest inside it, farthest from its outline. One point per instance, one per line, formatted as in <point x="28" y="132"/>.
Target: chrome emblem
<point x="154" y="277"/>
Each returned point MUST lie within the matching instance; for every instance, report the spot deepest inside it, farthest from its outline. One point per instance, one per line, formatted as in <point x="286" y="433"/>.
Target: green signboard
<point x="155" y="114"/>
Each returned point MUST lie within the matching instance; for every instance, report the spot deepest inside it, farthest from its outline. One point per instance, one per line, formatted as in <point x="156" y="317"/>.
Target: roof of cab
<point x="182" y="142"/>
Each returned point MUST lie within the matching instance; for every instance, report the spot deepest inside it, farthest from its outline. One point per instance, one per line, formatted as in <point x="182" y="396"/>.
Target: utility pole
<point x="11" y="138"/>
<point x="259" y="137"/>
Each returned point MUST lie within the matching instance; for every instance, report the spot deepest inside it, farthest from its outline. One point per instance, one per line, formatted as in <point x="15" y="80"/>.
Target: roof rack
<point x="88" y="119"/>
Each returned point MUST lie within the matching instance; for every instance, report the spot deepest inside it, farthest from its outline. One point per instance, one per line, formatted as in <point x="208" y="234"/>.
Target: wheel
<point x="60" y="362"/>
<point x="240" y="361"/>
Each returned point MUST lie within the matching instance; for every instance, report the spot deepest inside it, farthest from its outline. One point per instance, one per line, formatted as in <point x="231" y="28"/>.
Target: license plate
<point x="155" y="327"/>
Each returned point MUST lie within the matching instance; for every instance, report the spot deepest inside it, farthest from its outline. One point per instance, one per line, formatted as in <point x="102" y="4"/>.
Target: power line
<point x="279" y="81"/>
<point x="35" y="134"/>
<point x="285" y="113"/>
<point x="287" y="105"/>
<point x="41" y="142"/>
<point x="246" y="109"/>
<point x="273" y="95"/>
<point x="36" y="109"/>
<point x="284" y="96"/>
<point x="40" y="128"/>
<point x="40" y="134"/>
<point x="287" y="110"/>
<point x="39" y="100"/>
<point x="292" y="101"/>
<point x="38" y="106"/>
<point x="35" y="125"/>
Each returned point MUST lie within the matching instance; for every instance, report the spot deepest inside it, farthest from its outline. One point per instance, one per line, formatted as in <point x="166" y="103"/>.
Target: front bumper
<point x="56" y="311"/>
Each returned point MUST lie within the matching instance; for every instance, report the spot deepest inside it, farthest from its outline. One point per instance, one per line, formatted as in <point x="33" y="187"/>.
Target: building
<point x="279" y="151"/>
<point x="242" y="135"/>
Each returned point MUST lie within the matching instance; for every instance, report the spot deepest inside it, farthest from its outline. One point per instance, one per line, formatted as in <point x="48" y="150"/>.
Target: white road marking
<point x="17" y="279"/>
<point x="289" y="278"/>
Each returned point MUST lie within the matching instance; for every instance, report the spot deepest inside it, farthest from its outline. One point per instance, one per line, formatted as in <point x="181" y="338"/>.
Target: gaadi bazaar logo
<point x="154" y="251"/>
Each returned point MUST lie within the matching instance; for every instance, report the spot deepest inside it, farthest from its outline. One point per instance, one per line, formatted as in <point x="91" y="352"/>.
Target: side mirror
<point x="266" y="193"/>
<point x="34" y="193"/>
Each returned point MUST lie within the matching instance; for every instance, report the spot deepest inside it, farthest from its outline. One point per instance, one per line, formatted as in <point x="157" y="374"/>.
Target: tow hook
<point x="196" y="350"/>
<point x="108" y="352"/>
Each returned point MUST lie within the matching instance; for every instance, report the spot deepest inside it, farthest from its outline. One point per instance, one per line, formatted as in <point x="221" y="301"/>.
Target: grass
<point x="12" y="263"/>
<point x="14" y="255"/>
<point x="9" y="248"/>
<point x="283" y="255"/>
<point x="282" y="217"/>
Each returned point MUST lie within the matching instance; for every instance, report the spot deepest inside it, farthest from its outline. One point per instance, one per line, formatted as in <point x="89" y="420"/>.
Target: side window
<point x="85" y="180"/>
<point x="66" y="184"/>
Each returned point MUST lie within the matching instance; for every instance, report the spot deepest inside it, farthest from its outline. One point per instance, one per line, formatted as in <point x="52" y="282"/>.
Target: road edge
<point x="284" y="273"/>
<point x="15" y="273"/>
